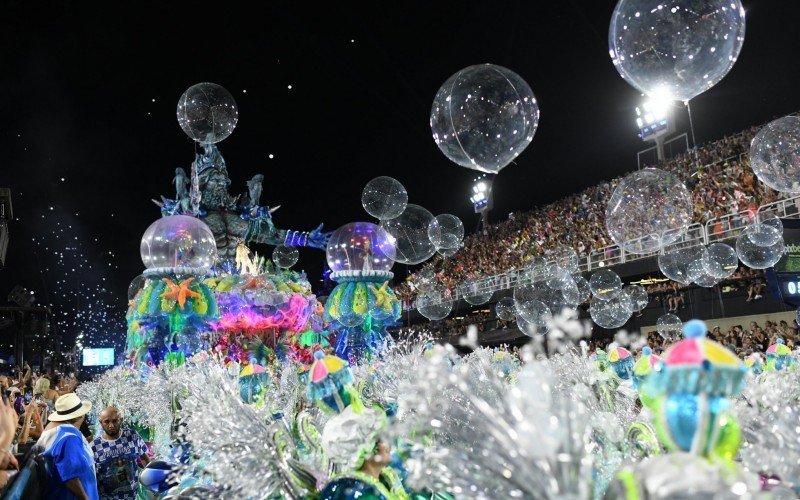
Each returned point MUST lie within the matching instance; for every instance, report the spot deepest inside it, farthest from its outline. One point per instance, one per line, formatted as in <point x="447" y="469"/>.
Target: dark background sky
<point x="89" y="95"/>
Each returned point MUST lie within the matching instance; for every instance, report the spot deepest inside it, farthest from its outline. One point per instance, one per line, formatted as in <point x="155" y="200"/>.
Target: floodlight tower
<point x="655" y="122"/>
<point x="481" y="198"/>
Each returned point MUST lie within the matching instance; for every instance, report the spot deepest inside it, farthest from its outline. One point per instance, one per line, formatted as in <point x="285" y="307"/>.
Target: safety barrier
<point x="717" y="229"/>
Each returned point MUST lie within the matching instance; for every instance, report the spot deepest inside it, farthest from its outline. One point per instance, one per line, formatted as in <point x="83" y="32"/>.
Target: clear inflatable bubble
<point x="604" y="284"/>
<point x="670" y="327"/>
<point x="524" y="295"/>
<point x="534" y="269"/>
<point x="360" y="246"/>
<point x="698" y="271"/>
<point x="448" y="252"/>
<point x="722" y="261"/>
<point x="674" y="262"/>
<point x="425" y="279"/>
<point x="384" y="198"/>
<point x="613" y="312"/>
<point x="446" y="232"/>
<point x="483" y="117"/>
<point x="207" y="113"/>
<point x="178" y="241"/>
<point x="567" y="297"/>
<point x="564" y="256"/>
<point x="285" y="256"/>
<point x="504" y="309"/>
<point x="676" y="49"/>
<point x="766" y="230"/>
<point x="584" y="292"/>
<point x="477" y="292"/>
<point x="557" y="277"/>
<point x="410" y="233"/>
<point x="757" y="256"/>
<point x="697" y="267"/>
<point x="435" y="304"/>
<point x="638" y="296"/>
<point x="540" y="322"/>
<point x="649" y="209"/>
<point x="775" y="154"/>
<point x="136" y="284"/>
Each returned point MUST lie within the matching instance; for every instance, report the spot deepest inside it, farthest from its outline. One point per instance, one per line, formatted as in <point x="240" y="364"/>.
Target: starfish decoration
<point x="383" y="297"/>
<point x="179" y="292"/>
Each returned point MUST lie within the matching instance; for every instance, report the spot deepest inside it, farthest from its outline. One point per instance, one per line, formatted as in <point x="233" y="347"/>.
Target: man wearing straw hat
<point x="68" y="458"/>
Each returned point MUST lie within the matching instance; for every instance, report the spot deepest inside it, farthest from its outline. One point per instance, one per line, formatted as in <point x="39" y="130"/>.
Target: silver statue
<point x="254" y="190"/>
<point x="181" y="182"/>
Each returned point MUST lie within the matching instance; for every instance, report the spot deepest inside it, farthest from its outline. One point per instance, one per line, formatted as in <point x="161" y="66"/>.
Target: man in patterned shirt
<point x="116" y="453"/>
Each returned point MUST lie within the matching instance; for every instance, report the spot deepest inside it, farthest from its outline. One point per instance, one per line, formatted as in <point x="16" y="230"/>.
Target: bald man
<point x="118" y="454"/>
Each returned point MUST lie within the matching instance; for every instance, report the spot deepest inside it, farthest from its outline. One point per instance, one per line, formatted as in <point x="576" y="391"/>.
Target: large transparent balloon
<point x="504" y="309"/>
<point x="446" y="232"/>
<point x="675" y="49"/>
<point x="536" y="320"/>
<point x="435" y="304"/>
<point x="477" y="292"/>
<point x="775" y="154"/>
<point x="649" y="209"/>
<point x="613" y="312"/>
<point x="136" y="284"/>
<point x="698" y="270"/>
<point x="756" y="256"/>
<point x="525" y="299"/>
<point x="722" y="261"/>
<point x="483" y="117"/>
<point x="425" y="278"/>
<point x="384" y="198"/>
<point x="178" y="241"/>
<point x="669" y="326"/>
<point x="207" y="113"/>
<point x="584" y="292"/>
<point x="638" y="296"/>
<point x="360" y="246"/>
<point x="285" y="256"/>
<point x="410" y="233"/>
<point x="564" y="256"/>
<point x="605" y="284"/>
<point x="765" y="230"/>
<point x="674" y="262"/>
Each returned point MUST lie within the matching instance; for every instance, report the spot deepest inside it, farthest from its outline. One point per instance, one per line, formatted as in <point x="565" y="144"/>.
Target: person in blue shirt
<point x="116" y="453"/>
<point x="68" y="457"/>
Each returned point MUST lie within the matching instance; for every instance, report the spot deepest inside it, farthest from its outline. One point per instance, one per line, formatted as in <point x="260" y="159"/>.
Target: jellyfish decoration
<point x="779" y="356"/>
<point x="330" y="383"/>
<point x="644" y="365"/>
<point x="689" y="394"/>
<point x="254" y="379"/>
<point x="621" y="361"/>
<point x="167" y="320"/>
<point x="362" y="304"/>
<point x="754" y="363"/>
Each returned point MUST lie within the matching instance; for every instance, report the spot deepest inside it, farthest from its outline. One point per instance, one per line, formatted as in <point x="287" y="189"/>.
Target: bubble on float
<point x="698" y="270"/>
<point x="604" y="284"/>
<point x="638" y="296"/>
<point x="425" y="278"/>
<point x="564" y="256"/>
<point x="504" y="309"/>
<point x="674" y="262"/>
<point x="448" y="252"/>
<point x="525" y="297"/>
<point x="136" y="284"/>
<point x="756" y="256"/>
<point x="670" y="327"/>
<point x="360" y="246"/>
<point x="178" y="241"/>
<point x="435" y="304"/>
<point x="649" y="209"/>
<point x="613" y="312"/>
<point x="566" y="297"/>
<point x="677" y="50"/>
<point x="207" y="113"/>
<point x="477" y="291"/>
<point x="556" y="277"/>
<point x="384" y="198"/>
<point x="285" y="256"/>
<point x="409" y="232"/>
<point x="775" y="154"/>
<point x="483" y="117"/>
<point x="537" y="319"/>
<point x="446" y="232"/>
<point x="722" y="261"/>
<point x="697" y="267"/>
<point x="534" y="269"/>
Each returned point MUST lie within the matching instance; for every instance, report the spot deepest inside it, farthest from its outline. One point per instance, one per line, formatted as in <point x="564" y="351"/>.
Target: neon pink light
<point x="294" y="317"/>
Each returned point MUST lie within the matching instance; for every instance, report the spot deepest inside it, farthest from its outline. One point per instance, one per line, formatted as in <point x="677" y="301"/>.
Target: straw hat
<point x="68" y="407"/>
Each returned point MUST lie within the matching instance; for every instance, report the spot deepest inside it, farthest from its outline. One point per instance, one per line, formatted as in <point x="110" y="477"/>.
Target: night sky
<point x="337" y="96"/>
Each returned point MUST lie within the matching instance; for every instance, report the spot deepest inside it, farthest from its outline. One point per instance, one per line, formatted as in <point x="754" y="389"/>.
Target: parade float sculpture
<point x="361" y="255"/>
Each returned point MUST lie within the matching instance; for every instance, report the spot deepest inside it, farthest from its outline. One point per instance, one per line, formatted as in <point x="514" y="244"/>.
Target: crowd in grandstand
<point x="717" y="174"/>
